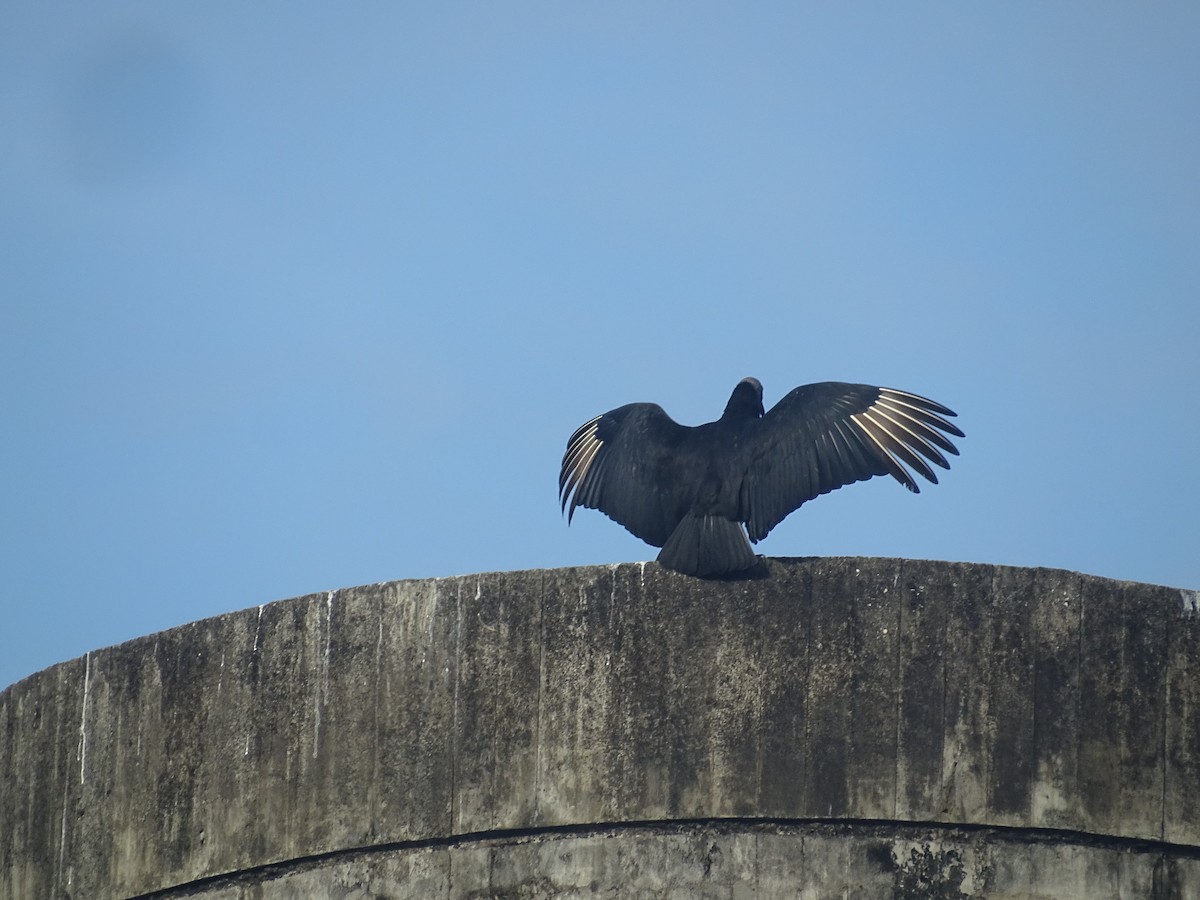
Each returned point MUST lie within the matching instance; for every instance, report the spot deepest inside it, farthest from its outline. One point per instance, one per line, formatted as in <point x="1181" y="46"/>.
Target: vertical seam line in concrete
<point x="943" y="648"/>
<point x="987" y="763"/>
<point x="1162" y="734"/>
<point x="541" y="676"/>
<point x="943" y="789"/>
<point x="454" y="726"/>
<point x="1079" y="699"/>
<point x="376" y="811"/>
<point x="87" y="688"/>
<point x="759" y="753"/>
<point x="808" y="627"/>
<point x="321" y="688"/>
<point x="1035" y="735"/>
<point x="898" y="681"/>
<point x="614" y="637"/>
<point x="61" y="765"/>
<point x="493" y="769"/>
<point x="762" y="700"/>
<point x="454" y="719"/>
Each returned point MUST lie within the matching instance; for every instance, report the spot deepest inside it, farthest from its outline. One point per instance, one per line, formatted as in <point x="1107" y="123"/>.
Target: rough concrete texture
<point x="729" y="860"/>
<point x="843" y="727"/>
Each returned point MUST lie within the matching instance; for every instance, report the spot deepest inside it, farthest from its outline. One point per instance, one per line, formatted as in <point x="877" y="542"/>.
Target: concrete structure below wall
<point x="867" y="728"/>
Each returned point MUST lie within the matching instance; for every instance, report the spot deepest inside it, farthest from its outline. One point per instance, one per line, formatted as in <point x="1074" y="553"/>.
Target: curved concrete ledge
<point x="873" y="725"/>
<point x="729" y="858"/>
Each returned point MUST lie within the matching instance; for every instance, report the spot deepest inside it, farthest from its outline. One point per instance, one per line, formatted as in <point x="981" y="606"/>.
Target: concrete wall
<point x="844" y="727"/>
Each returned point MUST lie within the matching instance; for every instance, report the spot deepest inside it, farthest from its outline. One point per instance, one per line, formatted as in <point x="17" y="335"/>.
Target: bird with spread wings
<point x="704" y="493"/>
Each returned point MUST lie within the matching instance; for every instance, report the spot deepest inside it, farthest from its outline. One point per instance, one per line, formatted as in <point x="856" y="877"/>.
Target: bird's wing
<point x="623" y="464"/>
<point x="823" y="436"/>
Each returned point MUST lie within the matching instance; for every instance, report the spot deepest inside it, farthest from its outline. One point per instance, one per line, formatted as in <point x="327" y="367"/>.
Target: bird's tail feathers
<point x="707" y="545"/>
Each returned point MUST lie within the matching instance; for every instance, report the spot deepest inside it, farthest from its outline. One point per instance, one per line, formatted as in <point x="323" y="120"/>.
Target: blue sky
<point x="299" y="297"/>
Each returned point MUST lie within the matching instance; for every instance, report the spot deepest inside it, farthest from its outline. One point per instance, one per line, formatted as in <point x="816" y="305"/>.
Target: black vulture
<point x="704" y="493"/>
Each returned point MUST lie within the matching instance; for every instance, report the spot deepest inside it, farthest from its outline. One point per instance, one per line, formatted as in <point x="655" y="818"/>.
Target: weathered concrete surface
<point x="1036" y="729"/>
<point x="727" y="859"/>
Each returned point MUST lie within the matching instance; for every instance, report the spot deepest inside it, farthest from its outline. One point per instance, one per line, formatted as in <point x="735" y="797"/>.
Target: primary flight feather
<point x="704" y="493"/>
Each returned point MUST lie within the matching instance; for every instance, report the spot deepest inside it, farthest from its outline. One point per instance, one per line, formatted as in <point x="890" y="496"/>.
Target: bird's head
<point x="746" y="401"/>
